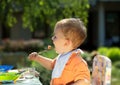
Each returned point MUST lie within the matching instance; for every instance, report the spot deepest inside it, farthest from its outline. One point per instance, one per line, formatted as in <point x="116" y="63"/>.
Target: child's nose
<point x="52" y="38"/>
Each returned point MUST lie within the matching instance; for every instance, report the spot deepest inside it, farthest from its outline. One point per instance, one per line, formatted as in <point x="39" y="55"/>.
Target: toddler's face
<point x="59" y="41"/>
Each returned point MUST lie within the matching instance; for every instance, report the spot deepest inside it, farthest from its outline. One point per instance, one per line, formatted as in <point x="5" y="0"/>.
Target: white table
<point x="26" y="78"/>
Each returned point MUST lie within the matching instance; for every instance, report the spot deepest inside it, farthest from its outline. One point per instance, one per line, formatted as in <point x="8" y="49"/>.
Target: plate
<point x="8" y="77"/>
<point x="4" y="68"/>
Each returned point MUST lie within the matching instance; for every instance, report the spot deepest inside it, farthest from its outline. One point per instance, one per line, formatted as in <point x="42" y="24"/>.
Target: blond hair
<point x="73" y="29"/>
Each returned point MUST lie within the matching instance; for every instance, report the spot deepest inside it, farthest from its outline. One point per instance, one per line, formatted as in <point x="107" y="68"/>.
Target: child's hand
<point x="33" y="56"/>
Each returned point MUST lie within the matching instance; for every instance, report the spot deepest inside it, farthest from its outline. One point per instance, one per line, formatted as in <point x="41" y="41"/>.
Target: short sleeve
<point x="81" y="71"/>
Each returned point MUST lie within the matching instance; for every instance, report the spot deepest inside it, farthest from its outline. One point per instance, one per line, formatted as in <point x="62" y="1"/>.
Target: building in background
<point x="104" y="23"/>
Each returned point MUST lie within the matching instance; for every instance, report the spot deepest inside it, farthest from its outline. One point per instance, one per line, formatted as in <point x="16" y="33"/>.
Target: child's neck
<point x="70" y="50"/>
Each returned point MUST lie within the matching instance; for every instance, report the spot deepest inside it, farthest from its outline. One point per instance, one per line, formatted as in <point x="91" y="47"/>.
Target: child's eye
<point x="55" y="37"/>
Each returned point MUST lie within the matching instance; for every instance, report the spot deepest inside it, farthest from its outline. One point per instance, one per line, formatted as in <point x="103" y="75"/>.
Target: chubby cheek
<point x="58" y="48"/>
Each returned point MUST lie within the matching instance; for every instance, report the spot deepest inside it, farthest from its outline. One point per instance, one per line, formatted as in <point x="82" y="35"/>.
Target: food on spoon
<point x="49" y="47"/>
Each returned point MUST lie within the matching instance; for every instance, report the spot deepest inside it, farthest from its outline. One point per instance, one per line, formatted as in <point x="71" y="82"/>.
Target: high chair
<point x="101" y="70"/>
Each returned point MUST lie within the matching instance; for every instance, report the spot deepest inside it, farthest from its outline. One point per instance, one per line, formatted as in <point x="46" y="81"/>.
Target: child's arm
<point x="46" y="62"/>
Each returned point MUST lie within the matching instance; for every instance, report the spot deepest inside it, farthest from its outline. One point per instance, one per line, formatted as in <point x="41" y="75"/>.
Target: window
<point x="112" y="28"/>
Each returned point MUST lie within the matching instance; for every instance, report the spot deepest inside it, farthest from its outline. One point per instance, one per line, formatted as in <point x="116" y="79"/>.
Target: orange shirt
<point x="76" y="68"/>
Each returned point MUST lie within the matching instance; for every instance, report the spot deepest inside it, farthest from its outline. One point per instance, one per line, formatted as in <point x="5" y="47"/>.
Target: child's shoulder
<point x="76" y="56"/>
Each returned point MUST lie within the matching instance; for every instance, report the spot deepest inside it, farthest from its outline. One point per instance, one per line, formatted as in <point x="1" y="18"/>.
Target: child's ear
<point x="68" y="42"/>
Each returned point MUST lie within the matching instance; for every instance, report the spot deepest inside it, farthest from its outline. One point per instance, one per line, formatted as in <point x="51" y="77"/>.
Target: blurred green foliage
<point x="117" y="64"/>
<point x="49" y="53"/>
<point x="16" y="59"/>
<point x="41" y="13"/>
<point x="112" y="52"/>
<point x="103" y="50"/>
<point x="115" y="75"/>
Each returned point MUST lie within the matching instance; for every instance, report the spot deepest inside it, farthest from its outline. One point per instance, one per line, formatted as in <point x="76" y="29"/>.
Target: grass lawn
<point x="115" y="76"/>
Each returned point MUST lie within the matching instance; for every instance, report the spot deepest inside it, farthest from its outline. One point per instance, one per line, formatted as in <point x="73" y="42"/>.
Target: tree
<point x="37" y="13"/>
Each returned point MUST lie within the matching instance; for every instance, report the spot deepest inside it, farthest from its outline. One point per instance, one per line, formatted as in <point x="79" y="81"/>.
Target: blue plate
<point x="4" y="68"/>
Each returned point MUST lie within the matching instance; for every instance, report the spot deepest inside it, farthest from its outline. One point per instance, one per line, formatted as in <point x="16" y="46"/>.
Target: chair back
<point x="101" y="70"/>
